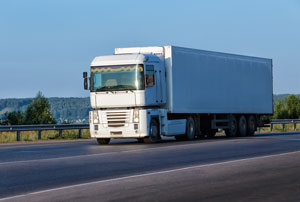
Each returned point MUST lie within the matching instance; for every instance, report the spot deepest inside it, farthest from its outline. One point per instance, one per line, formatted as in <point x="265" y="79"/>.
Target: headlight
<point x="90" y="116"/>
<point x="136" y="116"/>
<point x="96" y="118"/>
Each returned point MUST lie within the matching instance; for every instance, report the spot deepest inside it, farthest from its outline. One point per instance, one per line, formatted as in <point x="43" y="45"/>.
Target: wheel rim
<point x="191" y="127"/>
<point x="154" y="132"/>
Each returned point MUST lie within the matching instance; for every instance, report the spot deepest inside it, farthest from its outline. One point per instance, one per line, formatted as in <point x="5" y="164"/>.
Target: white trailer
<point x="147" y="92"/>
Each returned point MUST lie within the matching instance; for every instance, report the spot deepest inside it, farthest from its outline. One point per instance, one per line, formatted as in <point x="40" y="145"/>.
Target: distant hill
<point x="63" y="109"/>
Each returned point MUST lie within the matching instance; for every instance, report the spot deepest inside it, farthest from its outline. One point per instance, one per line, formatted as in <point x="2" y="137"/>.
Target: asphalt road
<point x="260" y="168"/>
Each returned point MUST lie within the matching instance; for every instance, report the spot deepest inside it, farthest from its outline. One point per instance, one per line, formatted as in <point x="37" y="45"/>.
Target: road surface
<point x="259" y="168"/>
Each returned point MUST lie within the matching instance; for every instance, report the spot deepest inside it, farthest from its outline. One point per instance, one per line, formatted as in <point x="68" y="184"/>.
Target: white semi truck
<point x="149" y="92"/>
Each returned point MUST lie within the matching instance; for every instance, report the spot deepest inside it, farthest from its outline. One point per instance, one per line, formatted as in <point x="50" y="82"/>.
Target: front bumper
<point x="130" y="130"/>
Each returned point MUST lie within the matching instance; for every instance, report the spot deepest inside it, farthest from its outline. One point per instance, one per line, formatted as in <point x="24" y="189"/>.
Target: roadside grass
<point x="279" y="128"/>
<point x="6" y="137"/>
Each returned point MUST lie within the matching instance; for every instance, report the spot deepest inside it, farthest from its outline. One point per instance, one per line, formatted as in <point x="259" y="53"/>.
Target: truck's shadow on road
<point x="171" y="140"/>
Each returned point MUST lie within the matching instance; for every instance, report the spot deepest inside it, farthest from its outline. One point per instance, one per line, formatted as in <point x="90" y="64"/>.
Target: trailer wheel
<point x="190" y="128"/>
<point x="233" y="127"/>
<point x="242" y="126"/>
<point x="251" y="126"/>
<point x="103" y="140"/>
<point x="154" y="135"/>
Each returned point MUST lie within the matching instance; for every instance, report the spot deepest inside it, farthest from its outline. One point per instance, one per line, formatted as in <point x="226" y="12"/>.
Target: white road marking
<point x="147" y="174"/>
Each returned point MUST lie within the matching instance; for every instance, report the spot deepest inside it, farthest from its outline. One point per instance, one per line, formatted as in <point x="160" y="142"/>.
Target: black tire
<point x="154" y="135"/>
<point x="242" y="126"/>
<point x="190" y="129"/>
<point x="251" y="125"/>
<point x="103" y="141"/>
<point x="233" y="127"/>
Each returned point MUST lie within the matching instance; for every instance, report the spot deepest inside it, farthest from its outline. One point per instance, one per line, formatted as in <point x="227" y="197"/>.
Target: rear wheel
<point x="103" y="140"/>
<point x="154" y="134"/>
<point x="190" y="128"/>
<point x="233" y="127"/>
<point x="251" y="125"/>
<point x="242" y="126"/>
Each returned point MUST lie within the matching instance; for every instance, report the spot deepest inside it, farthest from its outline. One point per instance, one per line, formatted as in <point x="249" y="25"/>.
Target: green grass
<point x="279" y="128"/>
<point x="85" y="134"/>
<point x="7" y="137"/>
<point x="46" y="135"/>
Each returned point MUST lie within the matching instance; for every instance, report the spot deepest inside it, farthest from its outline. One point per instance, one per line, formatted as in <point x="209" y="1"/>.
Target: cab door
<point x="154" y="82"/>
<point x="150" y="84"/>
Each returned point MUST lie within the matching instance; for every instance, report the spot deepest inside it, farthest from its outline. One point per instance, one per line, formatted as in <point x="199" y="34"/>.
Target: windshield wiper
<point x="114" y="88"/>
<point x="105" y="88"/>
<point x="127" y="87"/>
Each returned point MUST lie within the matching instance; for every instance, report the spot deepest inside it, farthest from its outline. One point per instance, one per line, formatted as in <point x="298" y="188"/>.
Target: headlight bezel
<point x="95" y="117"/>
<point x="136" y="115"/>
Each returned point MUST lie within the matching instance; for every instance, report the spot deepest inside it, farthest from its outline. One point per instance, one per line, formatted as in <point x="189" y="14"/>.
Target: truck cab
<point x="126" y="92"/>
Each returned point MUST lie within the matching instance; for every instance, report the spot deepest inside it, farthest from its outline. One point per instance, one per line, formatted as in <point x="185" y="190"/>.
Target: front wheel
<point x="154" y="134"/>
<point x="103" y="140"/>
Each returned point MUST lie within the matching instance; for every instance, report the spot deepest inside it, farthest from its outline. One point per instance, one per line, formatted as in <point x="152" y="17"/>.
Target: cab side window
<point x="150" y="81"/>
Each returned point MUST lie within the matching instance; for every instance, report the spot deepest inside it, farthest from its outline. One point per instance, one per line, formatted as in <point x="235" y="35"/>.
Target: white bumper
<point x="118" y="124"/>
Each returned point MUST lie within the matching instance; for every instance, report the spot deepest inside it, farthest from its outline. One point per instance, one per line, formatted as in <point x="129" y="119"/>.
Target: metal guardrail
<point x="283" y="122"/>
<point x="40" y="128"/>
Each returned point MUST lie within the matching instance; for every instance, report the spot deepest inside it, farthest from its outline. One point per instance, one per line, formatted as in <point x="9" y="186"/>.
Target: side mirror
<point x="85" y="83"/>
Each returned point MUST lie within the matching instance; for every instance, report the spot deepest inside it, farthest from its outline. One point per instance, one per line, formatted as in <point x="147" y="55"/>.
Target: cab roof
<point x="123" y="59"/>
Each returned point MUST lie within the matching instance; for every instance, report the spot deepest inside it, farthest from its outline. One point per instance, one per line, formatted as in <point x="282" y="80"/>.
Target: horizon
<point x="46" y="45"/>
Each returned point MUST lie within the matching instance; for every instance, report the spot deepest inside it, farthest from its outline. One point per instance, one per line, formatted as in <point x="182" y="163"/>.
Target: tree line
<point x="63" y="109"/>
<point x="37" y="112"/>
<point x="287" y="108"/>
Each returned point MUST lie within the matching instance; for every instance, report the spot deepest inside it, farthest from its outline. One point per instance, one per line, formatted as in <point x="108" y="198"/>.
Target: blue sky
<point x="46" y="45"/>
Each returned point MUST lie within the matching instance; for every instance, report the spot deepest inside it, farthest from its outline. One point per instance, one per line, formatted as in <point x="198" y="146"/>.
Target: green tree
<point x="38" y="111"/>
<point x="293" y="106"/>
<point x="14" y="118"/>
<point x="287" y="108"/>
<point x="280" y="111"/>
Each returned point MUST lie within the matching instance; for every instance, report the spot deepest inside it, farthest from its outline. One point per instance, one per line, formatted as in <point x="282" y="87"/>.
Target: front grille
<point x="117" y="118"/>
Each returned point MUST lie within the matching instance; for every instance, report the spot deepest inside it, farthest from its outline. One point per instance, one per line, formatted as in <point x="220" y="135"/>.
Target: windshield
<point x="117" y="78"/>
